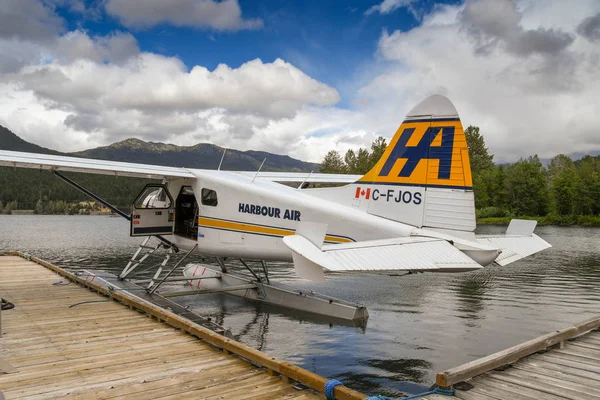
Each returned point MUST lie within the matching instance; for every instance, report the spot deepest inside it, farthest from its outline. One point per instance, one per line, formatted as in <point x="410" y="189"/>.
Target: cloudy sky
<point x="299" y="78"/>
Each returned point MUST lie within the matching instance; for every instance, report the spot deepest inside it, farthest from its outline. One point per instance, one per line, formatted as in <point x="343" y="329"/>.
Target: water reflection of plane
<point x="262" y="325"/>
<point x="471" y="291"/>
<point x="222" y="305"/>
<point x="226" y="311"/>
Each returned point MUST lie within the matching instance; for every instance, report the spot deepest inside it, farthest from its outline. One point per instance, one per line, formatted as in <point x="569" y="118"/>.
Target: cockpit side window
<point x="209" y="197"/>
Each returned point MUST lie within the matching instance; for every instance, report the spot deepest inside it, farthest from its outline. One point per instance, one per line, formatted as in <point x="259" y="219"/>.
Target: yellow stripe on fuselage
<point x="241" y="227"/>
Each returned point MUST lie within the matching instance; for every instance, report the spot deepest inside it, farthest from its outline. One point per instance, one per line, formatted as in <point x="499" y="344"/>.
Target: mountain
<point x="202" y="155"/>
<point x="10" y="141"/>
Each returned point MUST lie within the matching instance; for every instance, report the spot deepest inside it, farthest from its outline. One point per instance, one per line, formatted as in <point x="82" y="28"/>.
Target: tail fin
<point x="424" y="176"/>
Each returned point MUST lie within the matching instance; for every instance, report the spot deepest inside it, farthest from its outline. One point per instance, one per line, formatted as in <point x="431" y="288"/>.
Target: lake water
<point x="419" y="324"/>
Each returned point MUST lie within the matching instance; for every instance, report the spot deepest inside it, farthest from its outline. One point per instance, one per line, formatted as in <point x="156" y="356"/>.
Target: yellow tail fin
<point x="428" y="150"/>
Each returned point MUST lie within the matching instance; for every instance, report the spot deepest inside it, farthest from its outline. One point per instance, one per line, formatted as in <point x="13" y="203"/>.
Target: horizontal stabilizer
<point x="400" y="254"/>
<point x="514" y="247"/>
<point x="519" y="242"/>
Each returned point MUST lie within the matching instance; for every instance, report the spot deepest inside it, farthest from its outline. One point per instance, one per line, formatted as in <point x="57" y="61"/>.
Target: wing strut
<point x="107" y="204"/>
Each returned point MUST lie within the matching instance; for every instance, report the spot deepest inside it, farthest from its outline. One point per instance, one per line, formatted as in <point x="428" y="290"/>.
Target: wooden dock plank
<point x="556" y="383"/>
<point x="558" y="377"/>
<point x="502" y="387"/>
<point x="536" y="364"/>
<point x="475" y="395"/>
<point x="84" y="386"/>
<point x="585" y="345"/>
<point x="231" y="386"/>
<point x="106" y="350"/>
<point x="573" y="362"/>
<point x="70" y="372"/>
<point x="214" y="373"/>
<point x="534" y="385"/>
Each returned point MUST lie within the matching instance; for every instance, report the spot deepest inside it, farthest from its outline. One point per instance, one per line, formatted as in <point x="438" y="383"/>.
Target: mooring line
<point x="110" y="289"/>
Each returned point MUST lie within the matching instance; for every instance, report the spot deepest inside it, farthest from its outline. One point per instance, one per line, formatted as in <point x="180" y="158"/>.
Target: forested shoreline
<point x="566" y="192"/>
<point x="40" y="191"/>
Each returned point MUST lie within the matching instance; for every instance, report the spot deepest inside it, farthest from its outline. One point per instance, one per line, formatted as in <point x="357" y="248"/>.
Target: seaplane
<point x="414" y="211"/>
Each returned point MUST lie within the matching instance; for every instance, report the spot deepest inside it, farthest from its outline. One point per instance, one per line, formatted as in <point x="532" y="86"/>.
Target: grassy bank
<point x="561" y="220"/>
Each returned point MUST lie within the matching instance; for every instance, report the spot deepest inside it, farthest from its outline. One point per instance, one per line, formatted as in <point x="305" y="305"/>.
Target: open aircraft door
<point x="153" y="212"/>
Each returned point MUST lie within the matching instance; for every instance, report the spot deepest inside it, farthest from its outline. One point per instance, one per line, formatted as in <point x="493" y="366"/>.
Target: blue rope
<point x="329" y="386"/>
<point x="332" y="383"/>
<point x="437" y="390"/>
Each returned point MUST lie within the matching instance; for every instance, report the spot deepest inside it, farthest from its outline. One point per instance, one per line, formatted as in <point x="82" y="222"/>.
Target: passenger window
<point x="209" y="197"/>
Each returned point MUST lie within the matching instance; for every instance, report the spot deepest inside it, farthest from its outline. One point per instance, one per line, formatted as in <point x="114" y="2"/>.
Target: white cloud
<point x="155" y="94"/>
<point x="114" y="48"/>
<point x="102" y="89"/>
<point x="389" y="6"/>
<point x="590" y="28"/>
<point x="28" y="19"/>
<point x="223" y="15"/>
<point x="536" y="98"/>
<point x="494" y="22"/>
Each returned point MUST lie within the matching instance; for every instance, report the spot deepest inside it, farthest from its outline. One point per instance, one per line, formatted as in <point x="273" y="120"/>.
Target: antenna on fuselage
<point x="259" y="168"/>
<point x="305" y="179"/>
<point x="222" y="157"/>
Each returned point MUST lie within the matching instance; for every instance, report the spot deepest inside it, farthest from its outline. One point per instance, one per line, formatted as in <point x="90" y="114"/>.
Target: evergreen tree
<point x="485" y="182"/>
<point x="333" y="163"/>
<point x="478" y="153"/>
<point x="527" y="187"/>
<point x="588" y="188"/>
<point x="563" y="185"/>
<point x="377" y="149"/>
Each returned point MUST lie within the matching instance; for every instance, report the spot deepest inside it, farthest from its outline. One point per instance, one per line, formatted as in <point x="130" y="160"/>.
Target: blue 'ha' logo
<point x="423" y="150"/>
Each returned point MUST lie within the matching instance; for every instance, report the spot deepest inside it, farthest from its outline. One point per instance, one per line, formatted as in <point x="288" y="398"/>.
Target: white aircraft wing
<point x="105" y="167"/>
<point x="88" y="165"/>
<point x="301" y="177"/>
<point x="418" y="254"/>
<point x="519" y="242"/>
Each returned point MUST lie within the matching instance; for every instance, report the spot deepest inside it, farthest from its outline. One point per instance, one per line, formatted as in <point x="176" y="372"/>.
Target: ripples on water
<point x="419" y="325"/>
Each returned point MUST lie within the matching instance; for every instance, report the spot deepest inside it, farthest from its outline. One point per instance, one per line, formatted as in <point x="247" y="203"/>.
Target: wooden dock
<point x="119" y="346"/>
<point x="560" y="365"/>
<point x="124" y="348"/>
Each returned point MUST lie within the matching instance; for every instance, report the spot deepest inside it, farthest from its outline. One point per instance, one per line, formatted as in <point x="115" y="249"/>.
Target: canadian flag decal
<point x="362" y="193"/>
